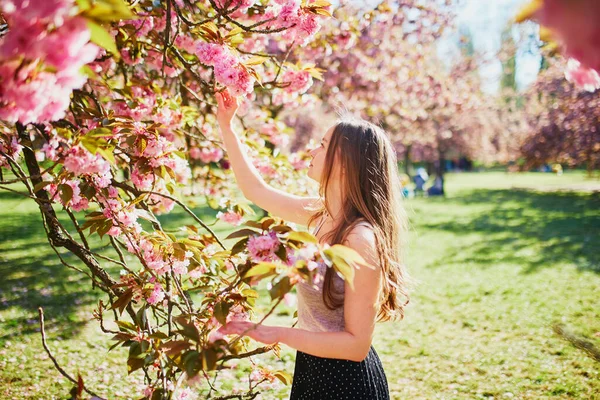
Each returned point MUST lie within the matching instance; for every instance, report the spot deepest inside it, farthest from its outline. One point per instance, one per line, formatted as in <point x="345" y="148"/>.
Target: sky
<point x="486" y="19"/>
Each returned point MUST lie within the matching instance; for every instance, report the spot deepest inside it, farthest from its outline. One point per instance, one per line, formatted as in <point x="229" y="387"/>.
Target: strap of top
<point x="321" y="222"/>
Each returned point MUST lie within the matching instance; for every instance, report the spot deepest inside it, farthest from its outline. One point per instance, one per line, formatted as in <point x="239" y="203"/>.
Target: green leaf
<point x="239" y="246"/>
<point x="191" y="362"/>
<point x="345" y="269"/>
<point x="284" y="377"/>
<point x="350" y="255"/>
<point x="303" y="237"/>
<point x="105" y="10"/>
<point x="242" y="233"/>
<point x="123" y="300"/>
<point x="281" y="228"/>
<point x="221" y="311"/>
<point x="209" y="359"/>
<point x="281" y="253"/>
<point x="175" y="347"/>
<point x="266" y="223"/>
<point x="102" y="38"/>
<point x="41" y="185"/>
<point x="108" y="154"/>
<point x="127" y="325"/>
<point x="250" y="293"/>
<point x="253" y="224"/>
<point x="261" y="269"/>
<point x="102" y="230"/>
<point x="66" y="193"/>
<point x="133" y="364"/>
<point x="188" y="330"/>
<point x="344" y="260"/>
<point x="280" y="288"/>
<point x="256" y="60"/>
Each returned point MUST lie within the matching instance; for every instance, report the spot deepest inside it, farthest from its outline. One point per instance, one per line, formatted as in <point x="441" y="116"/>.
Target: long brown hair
<point x="371" y="190"/>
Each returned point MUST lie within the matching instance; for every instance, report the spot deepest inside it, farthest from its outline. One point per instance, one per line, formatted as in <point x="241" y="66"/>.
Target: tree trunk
<point x="407" y="163"/>
<point x="441" y="167"/>
<point x="55" y="234"/>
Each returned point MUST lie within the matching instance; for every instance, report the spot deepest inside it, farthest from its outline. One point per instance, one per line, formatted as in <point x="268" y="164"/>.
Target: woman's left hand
<point x="261" y="333"/>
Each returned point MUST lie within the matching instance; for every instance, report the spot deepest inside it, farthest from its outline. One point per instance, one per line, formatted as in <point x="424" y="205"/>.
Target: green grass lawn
<point x="499" y="260"/>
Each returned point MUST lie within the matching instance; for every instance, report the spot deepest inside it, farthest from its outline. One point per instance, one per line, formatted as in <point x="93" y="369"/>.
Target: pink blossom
<point x="237" y="79"/>
<point x="160" y="204"/>
<point x="207" y="155"/>
<point x="68" y="47"/>
<point x="49" y="149"/>
<point x="242" y="5"/>
<point x="185" y="394"/>
<point x="312" y="265"/>
<point x="30" y="96"/>
<point x="289" y="13"/>
<point x="142" y="181"/>
<point x="148" y="390"/>
<point x="198" y="271"/>
<point x="299" y="81"/>
<point x="298" y="163"/>
<point x="211" y="53"/>
<point x="263" y="247"/>
<point x="180" y="267"/>
<point x="28" y="91"/>
<point x="289" y="299"/>
<point x="216" y="335"/>
<point x="48" y="11"/>
<point x="81" y="162"/>
<point x="76" y="203"/>
<point x="194" y="153"/>
<point x="582" y="77"/>
<point x="237" y="313"/>
<point x="10" y="146"/>
<point x="230" y="217"/>
<point x="157" y="294"/>
<point x="265" y="168"/>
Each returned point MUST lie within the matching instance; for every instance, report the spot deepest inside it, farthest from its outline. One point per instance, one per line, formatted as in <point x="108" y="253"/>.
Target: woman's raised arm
<point x="279" y="203"/>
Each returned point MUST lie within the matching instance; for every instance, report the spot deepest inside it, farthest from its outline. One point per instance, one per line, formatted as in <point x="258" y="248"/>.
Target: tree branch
<point x="56" y="365"/>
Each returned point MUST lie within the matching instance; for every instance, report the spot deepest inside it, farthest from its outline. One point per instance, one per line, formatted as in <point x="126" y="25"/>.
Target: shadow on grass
<point x="530" y="228"/>
<point x="33" y="276"/>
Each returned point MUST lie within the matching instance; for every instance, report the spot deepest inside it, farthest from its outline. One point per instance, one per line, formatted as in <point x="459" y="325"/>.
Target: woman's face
<point x="317" y="165"/>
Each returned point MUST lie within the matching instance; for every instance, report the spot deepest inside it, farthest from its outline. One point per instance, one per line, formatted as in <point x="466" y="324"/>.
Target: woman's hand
<point x="261" y="333"/>
<point x="228" y="106"/>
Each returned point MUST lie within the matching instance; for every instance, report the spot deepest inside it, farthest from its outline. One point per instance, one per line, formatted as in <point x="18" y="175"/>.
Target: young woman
<point x="359" y="206"/>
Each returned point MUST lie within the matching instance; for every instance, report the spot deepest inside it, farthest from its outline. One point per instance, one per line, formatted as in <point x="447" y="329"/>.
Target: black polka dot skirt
<point x="317" y="378"/>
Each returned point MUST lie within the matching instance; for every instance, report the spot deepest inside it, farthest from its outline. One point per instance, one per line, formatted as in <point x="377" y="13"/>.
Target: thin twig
<point x="56" y="365"/>
<point x="178" y="202"/>
<point x="78" y="228"/>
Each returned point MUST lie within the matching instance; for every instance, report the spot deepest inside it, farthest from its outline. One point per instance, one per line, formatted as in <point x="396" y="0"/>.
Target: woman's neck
<point x="335" y="204"/>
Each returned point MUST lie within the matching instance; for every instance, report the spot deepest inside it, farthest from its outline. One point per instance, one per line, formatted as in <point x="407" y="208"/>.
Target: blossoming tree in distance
<point x="564" y="114"/>
<point x="107" y="118"/>
<point x="384" y="64"/>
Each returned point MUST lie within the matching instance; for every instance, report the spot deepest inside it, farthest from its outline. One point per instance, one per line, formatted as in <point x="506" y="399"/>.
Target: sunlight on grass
<point x="497" y="264"/>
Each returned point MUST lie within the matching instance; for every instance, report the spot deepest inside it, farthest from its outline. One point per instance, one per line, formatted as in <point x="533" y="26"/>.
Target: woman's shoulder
<point x="361" y="230"/>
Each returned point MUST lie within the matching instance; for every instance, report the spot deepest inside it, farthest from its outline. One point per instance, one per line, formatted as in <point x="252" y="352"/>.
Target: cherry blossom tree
<point x="563" y="122"/>
<point x="386" y="67"/>
<point x="107" y="117"/>
<point x="563" y="115"/>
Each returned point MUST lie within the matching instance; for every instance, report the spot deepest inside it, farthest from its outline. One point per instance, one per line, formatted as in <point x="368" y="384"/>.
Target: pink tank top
<point x="313" y="315"/>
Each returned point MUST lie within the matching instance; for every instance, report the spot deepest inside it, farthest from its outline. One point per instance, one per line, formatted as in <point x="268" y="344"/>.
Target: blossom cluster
<point x="41" y="58"/>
